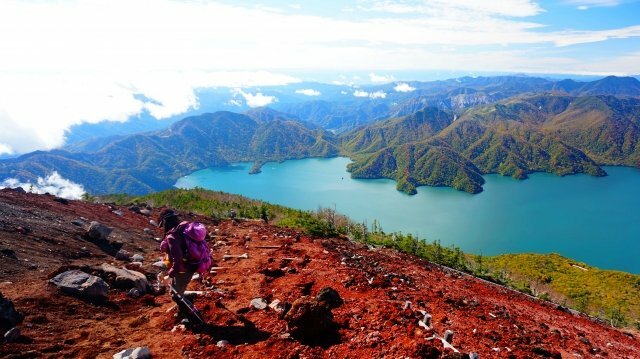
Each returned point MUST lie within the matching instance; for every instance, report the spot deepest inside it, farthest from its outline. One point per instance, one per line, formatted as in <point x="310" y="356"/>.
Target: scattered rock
<point x="427" y="351"/>
<point x="160" y="264"/>
<point x="123" y="278"/>
<point x="135" y="266"/>
<point x="310" y="321"/>
<point x="153" y="223"/>
<point x="222" y="343"/>
<point x="145" y="212"/>
<point x="137" y="258"/>
<point x="98" y="231"/>
<point x="330" y="296"/>
<point x="148" y="231"/>
<point x="9" y="253"/>
<point x="123" y="255"/>
<point x="81" y="284"/>
<point x="12" y="335"/>
<point x="9" y="317"/>
<point x="272" y="272"/>
<point x="137" y="353"/>
<point x="61" y="200"/>
<point x="118" y="213"/>
<point x="134" y="293"/>
<point x="23" y="230"/>
<point x="78" y="222"/>
<point x="258" y="303"/>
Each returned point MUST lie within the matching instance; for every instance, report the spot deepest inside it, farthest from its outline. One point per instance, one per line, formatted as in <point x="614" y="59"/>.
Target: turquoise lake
<point x="591" y="219"/>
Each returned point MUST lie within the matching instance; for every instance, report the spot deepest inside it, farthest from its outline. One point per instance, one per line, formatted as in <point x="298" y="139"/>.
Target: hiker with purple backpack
<point x="186" y="249"/>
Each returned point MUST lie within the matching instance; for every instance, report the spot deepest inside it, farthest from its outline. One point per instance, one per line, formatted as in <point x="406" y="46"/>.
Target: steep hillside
<point x="411" y="128"/>
<point x="378" y="306"/>
<point x="551" y="133"/>
<point x="153" y="161"/>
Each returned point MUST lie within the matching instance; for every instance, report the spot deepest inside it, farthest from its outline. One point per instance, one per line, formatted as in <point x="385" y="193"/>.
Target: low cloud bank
<point x="254" y="100"/>
<point x="309" y="92"/>
<point x="403" y="87"/>
<point x="53" y="184"/>
<point x="372" y="95"/>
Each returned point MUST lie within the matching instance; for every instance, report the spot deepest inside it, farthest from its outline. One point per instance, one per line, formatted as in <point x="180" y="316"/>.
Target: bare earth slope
<point x="37" y="238"/>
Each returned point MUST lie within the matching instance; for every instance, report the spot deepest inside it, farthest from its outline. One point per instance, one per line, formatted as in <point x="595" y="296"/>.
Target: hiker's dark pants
<point x="181" y="280"/>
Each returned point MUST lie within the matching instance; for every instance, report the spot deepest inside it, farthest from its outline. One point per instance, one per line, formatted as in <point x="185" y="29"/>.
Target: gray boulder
<point x="124" y="278"/>
<point x="9" y="317"/>
<point x="123" y="255"/>
<point x="137" y="353"/>
<point x="81" y="284"/>
<point x="258" y="303"/>
<point x="137" y="258"/>
<point x="98" y="231"/>
<point x="12" y="335"/>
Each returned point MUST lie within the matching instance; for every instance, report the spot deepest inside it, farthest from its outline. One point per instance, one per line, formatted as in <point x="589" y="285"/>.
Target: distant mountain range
<point x="153" y="161"/>
<point x="442" y="133"/>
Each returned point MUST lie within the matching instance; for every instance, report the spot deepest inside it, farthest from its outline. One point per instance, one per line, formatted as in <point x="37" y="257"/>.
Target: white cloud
<point x="380" y="78"/>
<point x="372" y="95"/>
<point x="586" y="4"/>
<point x="36" y="109"/>
<point x="5" y="149"/>
<point x="255" y="100"/>
<point x="403" y="87"/>
<point x="377" y="94"/>
<point x="343" y="92"/>
<point x="53" y="184"/>
<point x="308" y="92"/>
<point x="68" y="62"/>
<point x="510" y="8"/>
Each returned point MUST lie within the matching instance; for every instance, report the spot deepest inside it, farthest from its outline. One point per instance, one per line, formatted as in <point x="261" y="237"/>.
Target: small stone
<point x="222" y="343"/>
<point x="134" y="293"/>
<point x="160" y="264"/>
<point x="123" y="255"/>
<point x="78" y="222"/>
<point x="258" y="303"/>
<point x="98" y="231"/>
<point x="330" y="296"/>
<point x="137" y="258"/>
<point x="153" y="223"/>
<point x="145" y="212"/>
<point x="137" y="353"/>
<point x="118" y="213"/>
<point x="148" y="231"/>
<point x="136" y="266"/>
<point x="61" y="200"/>
<point x="12" y="335"/>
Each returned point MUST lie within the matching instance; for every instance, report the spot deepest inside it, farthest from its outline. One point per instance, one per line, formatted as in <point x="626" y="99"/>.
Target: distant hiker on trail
<point x="186" y="249"/>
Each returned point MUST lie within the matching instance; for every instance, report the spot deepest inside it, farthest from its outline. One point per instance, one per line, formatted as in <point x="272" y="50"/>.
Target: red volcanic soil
<point x="38" y="240"/>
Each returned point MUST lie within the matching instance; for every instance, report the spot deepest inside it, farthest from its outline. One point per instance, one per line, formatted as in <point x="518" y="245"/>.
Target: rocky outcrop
<point x="9" y="317"/>
<point x="123" y="278"/>
<point x="81" y="284"/>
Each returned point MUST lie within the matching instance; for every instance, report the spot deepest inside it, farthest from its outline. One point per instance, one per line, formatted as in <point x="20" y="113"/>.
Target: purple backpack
<point x="197" y="252"/>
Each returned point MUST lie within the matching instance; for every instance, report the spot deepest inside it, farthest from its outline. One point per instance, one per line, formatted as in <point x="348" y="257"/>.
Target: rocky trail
<point x="273" y="293"/>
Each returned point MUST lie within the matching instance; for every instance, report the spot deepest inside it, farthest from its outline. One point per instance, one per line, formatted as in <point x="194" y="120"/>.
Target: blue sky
<point x="66" y="62"/>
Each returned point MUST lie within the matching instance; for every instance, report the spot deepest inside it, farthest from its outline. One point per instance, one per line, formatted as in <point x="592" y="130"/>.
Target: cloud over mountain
<point x="53" y="183"/>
